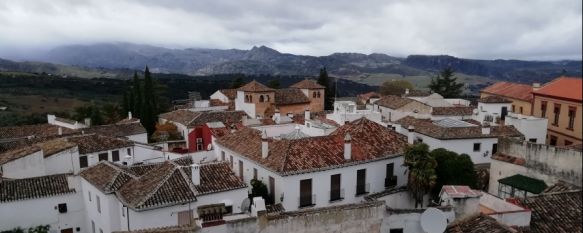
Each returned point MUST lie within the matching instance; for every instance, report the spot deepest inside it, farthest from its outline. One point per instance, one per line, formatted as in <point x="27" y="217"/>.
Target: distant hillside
<point x="8" y="66"/>
<point x="264" y="60"/>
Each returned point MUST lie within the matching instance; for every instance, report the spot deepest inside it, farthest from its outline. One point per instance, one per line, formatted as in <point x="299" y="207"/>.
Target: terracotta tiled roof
<point x="36" y="187"/>
<point x="117" y="130"/>
<point x="479" y="223"/>
<point x="42" y="130"/>
<point x="229" y="93"/>
<point x="255" y="86"/>
<point x="54" y="146"/>
<point x="169" y="183"/>
<point x="509" y="159"/>
<point x="494" y="99"/>
<point x="563" y="87"/>
<point x="452" y="111"/>
<point x="49" y="147"/>
<point x="561" y="186"/>
<point x="427" y="127"/>
<point x="193" y="119"/>
<point x="393" y="101"/>
<point x="510" y="90"/>
<point x="18" y="153"/>
<point x="307" y="84"/>
<point x="370" y="141"/>
<point x="555" y="212"/>
<point x="106" y="176"/>
<point x="460" y="191"/>
<point x="290" y="96"/>
<point x="182" y="116"/>
<point x="95" y="143"/>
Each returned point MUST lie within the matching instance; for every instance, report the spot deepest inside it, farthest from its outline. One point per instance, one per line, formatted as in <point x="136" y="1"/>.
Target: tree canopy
<point x="421" y="167"/>
<point x="328" y="83"/>
<point x="446" y="84"/>
<point x="453" y="169"/>
<point x="395" y="87"/>
<point x="274" y="83"/>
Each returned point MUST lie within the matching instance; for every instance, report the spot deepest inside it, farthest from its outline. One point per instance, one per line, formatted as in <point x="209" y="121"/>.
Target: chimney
<point x="257" y="206"/>
<point x="535" y="86"/>
<point x="277" y="114"/>
<point x="264" y="145"/>
<point x="88" y="122"/>
<point x="347" y="147"/>
<point x="51" y="119"/>
<point x="129" y="115"/>
<point x="486" y="128"/>
<point x="406" y="91"/>
<point x="411" y="134"/>
<point x="195" y="169"/>
<point x="307" y="114"/>
<point x="60" y="131"/>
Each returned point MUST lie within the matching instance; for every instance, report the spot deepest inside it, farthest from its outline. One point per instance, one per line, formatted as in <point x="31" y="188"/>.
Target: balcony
<point x="362" y="189"/>
<point x="306" y="200"/>
<point x="336" y="195"/>
<point x="391" y="182"/>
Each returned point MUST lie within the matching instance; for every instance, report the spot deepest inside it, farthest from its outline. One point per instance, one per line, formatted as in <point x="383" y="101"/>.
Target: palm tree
<point x="421" y="171"/>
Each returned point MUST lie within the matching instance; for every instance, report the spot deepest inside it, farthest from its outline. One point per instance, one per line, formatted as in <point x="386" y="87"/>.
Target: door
<point x="389" y="181"/>
<point x="504" y="113"/>
<point x="68" y="230"/>
<point x="305" y="192"/>
<point x="335" y="193"/>
<point x="271" y="190"/>
<point x="360" y="181"/>
<point x="494" y="148"/>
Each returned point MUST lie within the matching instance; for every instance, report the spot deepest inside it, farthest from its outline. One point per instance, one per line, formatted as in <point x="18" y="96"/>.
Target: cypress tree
<point x="446" y="84"/>
<point x="325" y="81"/>
<point x="137" y="93"/>
<point x="148" y="109"/>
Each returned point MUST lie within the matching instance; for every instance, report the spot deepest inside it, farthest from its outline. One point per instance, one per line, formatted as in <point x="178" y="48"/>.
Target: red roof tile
<point x="255" y="86"/>
<point x="452" y="111"/>
<point x="229" y="93"/>
<point x="307" y="84"/>
<point x="290" y="96"/>
<point x="510" y="90"/>
<point x="563" y="87"/>
<point x="427" y="127"/>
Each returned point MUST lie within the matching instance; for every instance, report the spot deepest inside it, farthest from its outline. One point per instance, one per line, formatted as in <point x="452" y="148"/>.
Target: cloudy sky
<point x="521" y="29"/>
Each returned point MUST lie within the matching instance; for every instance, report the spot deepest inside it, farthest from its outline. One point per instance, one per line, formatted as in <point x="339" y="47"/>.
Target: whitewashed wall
<point x="27" y="166"/>
<point x="218" y="95"/>
<point x="108" y="219"/>
<point x="240" y="104"/>
<point x="531" y="127"/>
<point x="141" y="138"/>
<point x="463" y="146"/>
<point x="63" y="162"/>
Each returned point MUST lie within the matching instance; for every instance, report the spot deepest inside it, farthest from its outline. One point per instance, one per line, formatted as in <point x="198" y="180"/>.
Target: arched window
<point x="318" y="94"/>
<point x="267" y="98"/>
<point x="246" y="98"/>
<point x="250" y="98"/>
<point x="261" y="99"/>
<point x="314" y="95"/>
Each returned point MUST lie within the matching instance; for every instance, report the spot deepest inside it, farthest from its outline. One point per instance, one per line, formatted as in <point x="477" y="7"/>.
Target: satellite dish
<point x="246" y="205"/>
<point x="433" y="221"/>
<point x="475" y="111"/>
<point x="209" y="147"/>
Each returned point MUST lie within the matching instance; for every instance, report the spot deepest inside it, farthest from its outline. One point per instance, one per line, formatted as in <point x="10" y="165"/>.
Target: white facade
<point x="491" y="111"/>
<point x="316" y="128"/>
<point x="27" y="166"/>
<point x="534" y="129"/>
<point x="102" y="210"/>
<point x="287" y="188"/>
<point x="218" y="95"/>
<point x="240" y="105"/>
<point x="52" y="119"/>
<point x="140" y="138"/>
<point x="346" y="111"/>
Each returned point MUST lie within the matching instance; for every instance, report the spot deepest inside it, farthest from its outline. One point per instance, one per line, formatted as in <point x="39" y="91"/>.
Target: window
<point x="477" y="147"/>
<point x="318" y="94"/>
<point x="89" y="194"/>
<point x="231" y="159"/>
<point x="361" y="187"/>
<point x="305" y="193"/>
<point x="98" y="201"/>
<point x="567" y="142"/>
<point x="115" y="156"/>
<point x="222" y="156"/>
<point x="520" y="110"/>
<point x="255" y="173"/>
<point x="335" y="192"/>
<point x="543" y="109"/>
<point x="185" y="217"/>
<point x="102" y="156"/>
<point x="494" y="148"/>
<point x="533" y="140"/>
<point x="261" y="98"/>
<point x="241" y="170"/>
<point x="513" y="108"/>
<point x="390" y="178"/>
<point x="396" y="230"/>
<point x="92" y="226"/>
<point x="129" y="151"/>
<point x="62" y="208"/>
<point x="557" y="112"/>
<point x="83" y="161"/>
<point x="553" y="141"/>
<point x="314" y="95"/>
<point x="572" y="111"/>
<point x="199" y="145"/>
<point x="267" y="98"/>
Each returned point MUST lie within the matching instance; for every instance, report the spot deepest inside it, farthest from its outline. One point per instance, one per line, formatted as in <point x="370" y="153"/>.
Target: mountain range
<point x="265" y="60"/>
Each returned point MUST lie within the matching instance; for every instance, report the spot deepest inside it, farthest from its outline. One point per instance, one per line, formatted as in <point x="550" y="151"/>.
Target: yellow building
<point x="519" y="94"/>
<point x="560" y="102"/>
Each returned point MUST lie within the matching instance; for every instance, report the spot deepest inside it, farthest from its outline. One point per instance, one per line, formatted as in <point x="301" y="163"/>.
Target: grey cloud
<point x="536" y="29"/>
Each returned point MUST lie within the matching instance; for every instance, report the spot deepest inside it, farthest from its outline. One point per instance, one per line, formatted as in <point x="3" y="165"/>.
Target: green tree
<point x="126" y="103"/>
<point x="453" y="169"/>
<point x="274" y="83"/>
<point x="137" y="95"/>
<point x="395" y="87"/>
<point x="446" y="84"/>
<point x="421" y="171"/>
<point x="327" y="82"/>
<point x="259" y="189"/>
<point x="149" y="114"/>
<point x="111" y="113"/>
<point x="237" y="82"/>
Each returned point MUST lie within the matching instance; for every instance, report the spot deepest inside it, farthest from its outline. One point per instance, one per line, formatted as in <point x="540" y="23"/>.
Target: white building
<point x="356" y="159"/>
<point x="346" y="111"/>
<point x="156" y="195"/>
<point x="53" y="200"/>
<point x="67" y="123"/>
<point x="463" y="137"/>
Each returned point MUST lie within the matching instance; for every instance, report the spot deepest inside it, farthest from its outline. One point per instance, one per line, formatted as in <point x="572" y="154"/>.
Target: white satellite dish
<point x="209" y="147"/>
<point x="246" y="205"/>
<point x="433" y="221"/>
